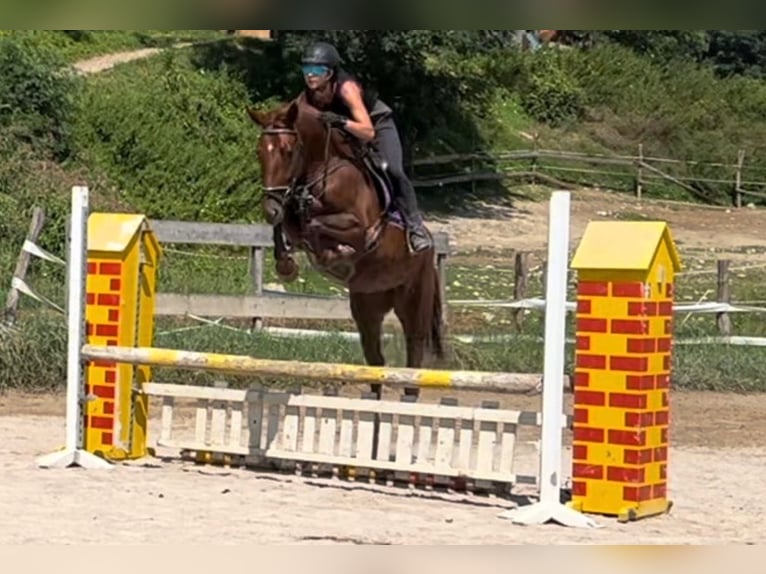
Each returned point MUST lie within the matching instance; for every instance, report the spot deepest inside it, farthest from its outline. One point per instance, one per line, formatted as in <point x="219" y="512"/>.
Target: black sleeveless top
<point x="375" y="107"/>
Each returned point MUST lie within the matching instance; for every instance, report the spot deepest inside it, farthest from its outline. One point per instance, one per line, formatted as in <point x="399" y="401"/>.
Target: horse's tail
<point x="437" y="319"/>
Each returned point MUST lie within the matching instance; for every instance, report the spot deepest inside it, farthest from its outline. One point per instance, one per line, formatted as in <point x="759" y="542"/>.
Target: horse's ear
<point x="260" y="118"/>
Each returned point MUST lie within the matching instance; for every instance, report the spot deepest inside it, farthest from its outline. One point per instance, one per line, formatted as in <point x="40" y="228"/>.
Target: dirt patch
<point x="105" y="62"/>
<point x="737" y="234"/>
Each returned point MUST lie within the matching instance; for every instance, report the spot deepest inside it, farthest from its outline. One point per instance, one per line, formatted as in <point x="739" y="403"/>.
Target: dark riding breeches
<point x="390" y="147"/>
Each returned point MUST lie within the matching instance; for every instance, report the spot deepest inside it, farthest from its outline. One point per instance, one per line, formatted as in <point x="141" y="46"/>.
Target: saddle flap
<point x="377" y="168"/>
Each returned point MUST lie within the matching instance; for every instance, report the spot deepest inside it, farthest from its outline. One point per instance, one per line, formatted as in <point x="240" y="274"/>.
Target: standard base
<point x="67" y="458"/>
<point x="543" y="512"/>
<point x="629" y="513"/>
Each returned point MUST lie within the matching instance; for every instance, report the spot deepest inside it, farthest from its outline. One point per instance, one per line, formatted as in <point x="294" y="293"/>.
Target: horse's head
<point x="277" y="151"/>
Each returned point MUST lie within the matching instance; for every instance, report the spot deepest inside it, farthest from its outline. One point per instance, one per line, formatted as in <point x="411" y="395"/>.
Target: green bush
<point x="549" y="92"/>
<point x="36" y="117"/>
<point x="35" y="95"/>
<point x="172" y="140"/>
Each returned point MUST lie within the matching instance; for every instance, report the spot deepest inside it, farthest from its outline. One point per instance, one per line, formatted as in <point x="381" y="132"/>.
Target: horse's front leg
<point x="341" y="227"/>
<point x="284" y="264"/>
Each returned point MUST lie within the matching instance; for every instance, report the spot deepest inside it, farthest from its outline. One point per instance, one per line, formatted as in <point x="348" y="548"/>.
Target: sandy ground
<point x="737" y="234"/>
<point x="716" y="481"/>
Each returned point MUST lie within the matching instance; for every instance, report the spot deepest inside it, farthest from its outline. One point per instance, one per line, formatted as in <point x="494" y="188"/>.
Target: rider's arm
<point x="360" y="123"/>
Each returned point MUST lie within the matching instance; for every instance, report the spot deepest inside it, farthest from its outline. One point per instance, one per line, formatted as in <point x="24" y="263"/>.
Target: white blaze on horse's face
<point x="276" y="151"/>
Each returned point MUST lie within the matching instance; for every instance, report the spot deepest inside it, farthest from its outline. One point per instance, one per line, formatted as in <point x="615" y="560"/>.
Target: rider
<point x="346" y="105"/>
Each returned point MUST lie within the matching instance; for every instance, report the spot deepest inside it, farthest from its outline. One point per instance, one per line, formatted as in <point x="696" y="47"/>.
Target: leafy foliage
<point x="179" y="146"/>
<point x="35" y="97"/>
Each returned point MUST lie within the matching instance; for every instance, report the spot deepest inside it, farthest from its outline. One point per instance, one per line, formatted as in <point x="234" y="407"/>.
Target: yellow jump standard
<point x="123" y="254"/>
<point x="622" y="369"/>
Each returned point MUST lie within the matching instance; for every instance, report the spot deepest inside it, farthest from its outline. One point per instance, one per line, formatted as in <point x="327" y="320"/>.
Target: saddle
<point x="377" y="168"/>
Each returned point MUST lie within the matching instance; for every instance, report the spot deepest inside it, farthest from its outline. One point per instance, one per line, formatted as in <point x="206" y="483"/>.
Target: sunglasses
<point x="314" y="69"/>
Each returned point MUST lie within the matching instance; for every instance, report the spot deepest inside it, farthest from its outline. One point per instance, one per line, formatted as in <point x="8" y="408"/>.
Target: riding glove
<point x="332" y="119"/>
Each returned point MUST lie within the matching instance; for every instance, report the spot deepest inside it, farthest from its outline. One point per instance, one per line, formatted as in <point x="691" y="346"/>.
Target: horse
<point x="326" y="197"/>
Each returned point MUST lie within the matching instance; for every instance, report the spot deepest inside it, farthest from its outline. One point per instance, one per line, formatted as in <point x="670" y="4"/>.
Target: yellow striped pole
<point x="341" y="373"/>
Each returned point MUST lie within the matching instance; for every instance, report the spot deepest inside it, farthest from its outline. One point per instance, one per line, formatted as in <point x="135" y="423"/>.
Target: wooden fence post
<point x="22" y="264"/>
<point x="256" y="274"/>
<point x="738" y="178"/>
<point x="520" y="275"/>
<point x="639" y="171"/>
<point x="723" y="296"/>
<point x="441" y="269"/>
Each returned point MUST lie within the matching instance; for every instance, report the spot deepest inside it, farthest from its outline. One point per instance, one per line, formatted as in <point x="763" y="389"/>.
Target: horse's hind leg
<point x="368" y="311"/>
<point x="414" y="308"/>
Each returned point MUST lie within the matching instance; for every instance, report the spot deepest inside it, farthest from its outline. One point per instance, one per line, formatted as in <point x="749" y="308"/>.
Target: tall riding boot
<point x="417" y="234"/>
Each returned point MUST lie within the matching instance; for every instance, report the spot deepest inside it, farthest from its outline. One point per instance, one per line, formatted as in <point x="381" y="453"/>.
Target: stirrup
<point x="426" y="237"/>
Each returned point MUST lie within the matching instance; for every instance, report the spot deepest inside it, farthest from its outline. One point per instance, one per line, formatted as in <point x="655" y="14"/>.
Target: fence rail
<point x="644" y="170"/>
<point x="259" y="304"/>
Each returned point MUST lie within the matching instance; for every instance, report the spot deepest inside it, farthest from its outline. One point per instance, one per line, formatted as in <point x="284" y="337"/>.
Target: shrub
<point x="35" y="95"/>
<point x="178" y="145"/>
<point x="549" y="92"/>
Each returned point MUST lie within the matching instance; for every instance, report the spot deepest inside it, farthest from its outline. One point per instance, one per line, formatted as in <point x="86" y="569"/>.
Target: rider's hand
<point x="332" y="119"/>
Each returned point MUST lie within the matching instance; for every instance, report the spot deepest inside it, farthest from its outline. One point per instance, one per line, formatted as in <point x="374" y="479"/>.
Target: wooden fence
<point x="554" y="167"/>
<point x="256" y="237"/>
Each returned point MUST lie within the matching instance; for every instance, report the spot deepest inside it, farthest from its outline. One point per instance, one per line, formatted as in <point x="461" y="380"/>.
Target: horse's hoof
<point x="287" y="269"/>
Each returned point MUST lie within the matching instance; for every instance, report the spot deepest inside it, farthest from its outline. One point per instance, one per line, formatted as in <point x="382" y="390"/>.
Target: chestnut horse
<point x="321" y="198"/>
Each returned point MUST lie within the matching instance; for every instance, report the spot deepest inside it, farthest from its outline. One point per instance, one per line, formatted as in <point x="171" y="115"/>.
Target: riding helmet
<point x="322" y="53"/>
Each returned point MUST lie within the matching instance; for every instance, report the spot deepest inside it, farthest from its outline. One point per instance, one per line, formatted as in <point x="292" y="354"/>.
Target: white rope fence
<point x="532" y="303"/>
<point x="538" y="303"/>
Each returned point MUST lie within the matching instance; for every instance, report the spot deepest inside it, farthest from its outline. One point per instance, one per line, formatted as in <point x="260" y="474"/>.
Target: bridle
<point x="280" y="193"/>
<point x="277" y="192"/>
<point x="302" y="193"/>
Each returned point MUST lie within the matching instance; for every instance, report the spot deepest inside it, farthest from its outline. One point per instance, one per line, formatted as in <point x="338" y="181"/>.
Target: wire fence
<point x="721" y="308"/>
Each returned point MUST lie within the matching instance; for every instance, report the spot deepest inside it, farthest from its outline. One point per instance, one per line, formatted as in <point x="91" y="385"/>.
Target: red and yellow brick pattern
<point x="103" y="303"/>
<point x="623" y="372"/>
<point x="120" y="284"/>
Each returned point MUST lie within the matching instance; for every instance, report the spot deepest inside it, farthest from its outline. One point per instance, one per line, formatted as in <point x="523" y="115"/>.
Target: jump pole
<point x="316" y="371"/>
<point x="549" y="507"/>
<point x="73" y="453"/>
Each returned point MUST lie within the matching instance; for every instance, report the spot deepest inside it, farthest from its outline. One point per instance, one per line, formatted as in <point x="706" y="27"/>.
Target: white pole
<point x="549" y="508"/>
<point x="73" y="454"/>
